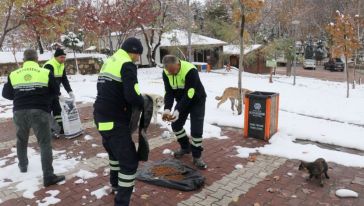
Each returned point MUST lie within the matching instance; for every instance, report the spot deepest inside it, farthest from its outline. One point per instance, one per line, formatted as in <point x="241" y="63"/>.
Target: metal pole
<point x="295" y="52"/>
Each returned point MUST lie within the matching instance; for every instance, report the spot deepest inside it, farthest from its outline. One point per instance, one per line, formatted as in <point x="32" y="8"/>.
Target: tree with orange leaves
<point x="344" y="40"/>
<point x="45" y="18"/>
<point x="36" y="17"/>
<point x="119" y="18"/>
<point x="249" y="12"/>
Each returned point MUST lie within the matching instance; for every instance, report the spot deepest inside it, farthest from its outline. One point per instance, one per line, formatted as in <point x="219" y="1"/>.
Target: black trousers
<point x="56" y="112"/>
<point x="38" y="120"/>
<point x="123" y="161"/>
<point x="197" y="116"/>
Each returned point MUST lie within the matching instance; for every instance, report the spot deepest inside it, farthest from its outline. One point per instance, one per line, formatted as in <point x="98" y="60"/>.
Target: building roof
<point x="235" y="49"/>
<point x="180" y="38"/>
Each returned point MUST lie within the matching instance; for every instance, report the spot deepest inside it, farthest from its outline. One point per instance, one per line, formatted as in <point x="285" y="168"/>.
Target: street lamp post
<point x="295" y="22"/>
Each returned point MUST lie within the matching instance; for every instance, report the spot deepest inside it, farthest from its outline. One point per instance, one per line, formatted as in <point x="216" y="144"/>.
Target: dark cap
<point x="59" y="52"/>
<point x="132" y="45"/>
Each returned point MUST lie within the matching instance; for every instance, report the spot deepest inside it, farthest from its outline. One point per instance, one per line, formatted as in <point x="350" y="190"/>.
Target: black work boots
<point x="52" y="180"/>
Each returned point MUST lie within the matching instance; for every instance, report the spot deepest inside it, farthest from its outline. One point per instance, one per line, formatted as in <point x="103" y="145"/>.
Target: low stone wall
<point x="86" y="66"/>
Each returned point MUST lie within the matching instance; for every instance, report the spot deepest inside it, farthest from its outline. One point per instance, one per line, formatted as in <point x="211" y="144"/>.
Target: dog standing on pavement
<point x="158" y="103"/>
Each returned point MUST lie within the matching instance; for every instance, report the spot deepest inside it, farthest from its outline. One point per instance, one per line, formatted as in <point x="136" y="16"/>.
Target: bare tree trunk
<point x="40" y="45"/>
<point x="347" y="77"/>
<point x="241" y="58"/>
<point x="270" y="75"/>
<point x="189" y="26"/>
<point x="6" y="30"/>
<point x="13" y="50"/>
<point x="2" y="39"/>
<point x="289" y="68"/>
<point x="110" y="43"/>
<point x="149" y="49"/>
<point x="354" y="72"/>
<point x="76" y="63"/>
<point x="356" y="55"/>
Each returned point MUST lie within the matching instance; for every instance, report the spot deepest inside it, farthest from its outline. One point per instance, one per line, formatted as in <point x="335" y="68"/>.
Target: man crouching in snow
<point x="32" y="88"/>
<point x="182" y="82"/>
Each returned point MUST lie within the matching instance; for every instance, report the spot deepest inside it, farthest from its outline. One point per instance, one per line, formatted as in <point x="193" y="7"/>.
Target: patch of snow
<point x="29" y="187"/>
<point x="84" y="174"/>
<point x="244" y="152"/>
<point x="94" y="145"/>
<point x="88" y="137"/>
<point x="102" y="155"/>
<point x="166" y="135"/>
<point x="239" y="166"/>
<point x="51" y="200"/>
<point x="223" y="137"/>
<point x="62" y="183"/>
<point x="79" y="181"/>
<point x="30" y="182"/>
<point x="99" y="193"/>
<point x="346" y="193"/>
<point x="167" y="151"/>
<point x="106" y="172"/>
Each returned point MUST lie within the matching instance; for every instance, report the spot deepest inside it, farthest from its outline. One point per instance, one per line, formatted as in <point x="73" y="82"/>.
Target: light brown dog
<point x="231" y="93"/>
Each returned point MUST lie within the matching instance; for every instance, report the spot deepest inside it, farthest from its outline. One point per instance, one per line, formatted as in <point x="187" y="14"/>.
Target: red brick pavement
<point x="219" y="154"/>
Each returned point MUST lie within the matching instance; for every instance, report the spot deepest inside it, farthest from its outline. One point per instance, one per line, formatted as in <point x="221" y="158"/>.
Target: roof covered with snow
<point x="235" y="49"/>
<point x="180" y="38"/>
<point x="8" y="57"/>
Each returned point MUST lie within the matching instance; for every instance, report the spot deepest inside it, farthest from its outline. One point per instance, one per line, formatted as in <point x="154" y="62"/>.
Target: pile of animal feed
<point x="167" y="172"/>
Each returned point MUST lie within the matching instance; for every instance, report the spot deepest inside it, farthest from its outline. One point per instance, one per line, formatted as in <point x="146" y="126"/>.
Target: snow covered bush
<point x="75" y="42"/>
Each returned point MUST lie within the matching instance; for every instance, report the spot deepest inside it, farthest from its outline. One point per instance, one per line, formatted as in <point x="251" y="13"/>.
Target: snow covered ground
<point x="299" y="105"/>
<point x="30" y="182"/>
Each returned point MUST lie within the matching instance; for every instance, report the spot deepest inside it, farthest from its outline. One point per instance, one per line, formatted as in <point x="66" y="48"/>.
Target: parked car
<point x="309" y="64"/>
<point x="335" y="64"/>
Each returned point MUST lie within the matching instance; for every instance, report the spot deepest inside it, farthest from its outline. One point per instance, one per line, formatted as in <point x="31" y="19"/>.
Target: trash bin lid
<point x="259" y="94"/>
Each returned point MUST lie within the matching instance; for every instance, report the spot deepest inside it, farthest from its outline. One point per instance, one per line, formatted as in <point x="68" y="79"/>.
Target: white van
<point x="309" y="64"/>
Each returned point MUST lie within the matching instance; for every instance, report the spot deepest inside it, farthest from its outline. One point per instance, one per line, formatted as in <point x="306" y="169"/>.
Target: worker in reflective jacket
<point x="182" y="83"/>
<point x="32" y="89"/>
<point x="117" y="92"/>
<point x="56" y="66"/>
